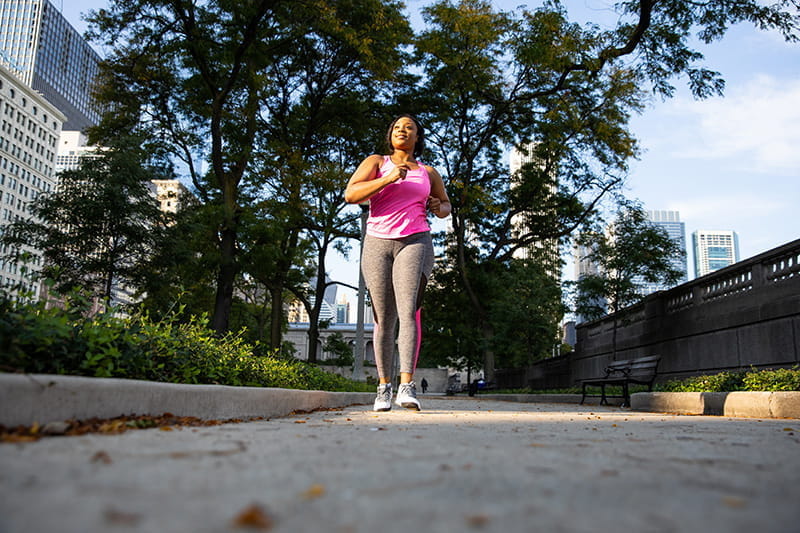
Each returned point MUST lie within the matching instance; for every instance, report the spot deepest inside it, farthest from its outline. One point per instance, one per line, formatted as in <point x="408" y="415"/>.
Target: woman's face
<point x="404" y="134"/>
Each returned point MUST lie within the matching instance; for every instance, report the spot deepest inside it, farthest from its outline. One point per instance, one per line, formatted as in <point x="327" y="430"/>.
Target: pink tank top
<point x="399" y="209"/>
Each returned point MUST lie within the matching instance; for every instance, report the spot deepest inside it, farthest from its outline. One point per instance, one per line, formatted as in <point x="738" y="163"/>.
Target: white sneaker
<point x="407" y="396"/>
<point x="383" y="401"/>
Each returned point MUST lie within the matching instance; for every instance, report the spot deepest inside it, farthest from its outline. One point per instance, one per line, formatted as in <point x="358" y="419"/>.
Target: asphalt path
<point x="458" y="465"/>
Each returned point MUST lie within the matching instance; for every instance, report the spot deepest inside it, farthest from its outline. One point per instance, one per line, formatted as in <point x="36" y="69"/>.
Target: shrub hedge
<point x="66" y="340"/>
<point x="765" y="380"/>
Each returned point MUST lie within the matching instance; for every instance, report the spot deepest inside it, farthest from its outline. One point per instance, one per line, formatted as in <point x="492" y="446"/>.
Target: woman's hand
<point x="398" y="173"/>
<point x="434" y="205"/>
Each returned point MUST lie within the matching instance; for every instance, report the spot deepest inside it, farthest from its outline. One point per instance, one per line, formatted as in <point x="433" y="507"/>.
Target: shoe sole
<point x="382" y="410"/>
<point x="410" y="405"/>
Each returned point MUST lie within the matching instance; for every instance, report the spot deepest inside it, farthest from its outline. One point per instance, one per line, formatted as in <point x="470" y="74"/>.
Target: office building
<point x="46" y="53"/>
<point x="72" y="147"/>
<point x="29" y="130"/>
<point x="714" y="250"/>
<point x="546" y="250"/>
<point x="669" y="221"/>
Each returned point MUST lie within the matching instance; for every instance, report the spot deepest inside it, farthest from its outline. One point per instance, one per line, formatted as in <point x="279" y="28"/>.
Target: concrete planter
<point x="735" y="404"/>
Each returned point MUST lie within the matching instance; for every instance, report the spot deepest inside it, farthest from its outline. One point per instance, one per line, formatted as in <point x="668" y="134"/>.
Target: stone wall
<point x="746" y="315"/>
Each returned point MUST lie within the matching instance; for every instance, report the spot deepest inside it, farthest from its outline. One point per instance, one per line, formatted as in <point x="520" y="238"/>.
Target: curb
<point x="734" y="404"/>
<point x="43" y="398"/>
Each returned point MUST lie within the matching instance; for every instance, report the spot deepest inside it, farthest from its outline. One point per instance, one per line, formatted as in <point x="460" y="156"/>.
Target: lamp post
<point x="358" y="364"/>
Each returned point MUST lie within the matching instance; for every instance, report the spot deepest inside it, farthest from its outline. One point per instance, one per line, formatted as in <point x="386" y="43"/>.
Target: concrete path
<point x="458" y="465"/>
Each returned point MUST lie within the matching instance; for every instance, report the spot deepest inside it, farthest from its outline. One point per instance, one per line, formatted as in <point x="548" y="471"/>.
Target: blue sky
<point x="730" y="163"/>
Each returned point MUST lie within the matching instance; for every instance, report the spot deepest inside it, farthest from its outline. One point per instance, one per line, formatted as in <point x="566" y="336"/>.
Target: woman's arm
<point x="438" y="201"/>
<point x="363" y="184"/>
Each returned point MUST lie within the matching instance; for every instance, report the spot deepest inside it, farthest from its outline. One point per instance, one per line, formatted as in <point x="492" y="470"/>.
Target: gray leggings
<point x="396" y="272"/>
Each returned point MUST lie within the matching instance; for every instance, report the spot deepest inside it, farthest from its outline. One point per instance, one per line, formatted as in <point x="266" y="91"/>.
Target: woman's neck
<point x="401" y="156"/>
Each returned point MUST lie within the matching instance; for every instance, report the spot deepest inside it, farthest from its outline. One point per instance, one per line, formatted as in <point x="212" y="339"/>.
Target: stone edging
<point x="43" y="398"/>
<point x="735" y="404"/>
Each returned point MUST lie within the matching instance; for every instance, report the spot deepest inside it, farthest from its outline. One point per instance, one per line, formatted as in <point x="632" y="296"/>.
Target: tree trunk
<point x="225" y="278"/>
<point x="316" y="309"/>
<point x="276" y="317"/>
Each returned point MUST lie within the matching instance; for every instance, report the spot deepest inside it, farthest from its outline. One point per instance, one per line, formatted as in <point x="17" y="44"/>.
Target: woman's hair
<point x="419" y="146"/>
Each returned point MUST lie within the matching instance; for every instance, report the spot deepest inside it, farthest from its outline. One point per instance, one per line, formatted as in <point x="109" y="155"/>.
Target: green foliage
<point x="66" y="341"/>
<point x="632" y="250"/>
<point x="767" y="380"/>
<point x="337" y="345"/>
<point x="722" y="382"/>
<point x="96" y="229"/>
<point x="779" y="379"/>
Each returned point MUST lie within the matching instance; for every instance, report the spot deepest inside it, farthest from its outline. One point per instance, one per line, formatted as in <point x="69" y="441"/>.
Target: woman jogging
<point x="397" y="257"/>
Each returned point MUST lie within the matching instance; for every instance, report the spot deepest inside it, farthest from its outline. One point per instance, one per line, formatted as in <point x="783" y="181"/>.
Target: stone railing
<point x="746" y="315"/>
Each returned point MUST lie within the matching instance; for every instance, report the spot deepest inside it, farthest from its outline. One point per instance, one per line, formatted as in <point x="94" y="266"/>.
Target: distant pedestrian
<point x="473" y="387"/>
<point x="424" y="384"/>
<point x="397" y="257"/>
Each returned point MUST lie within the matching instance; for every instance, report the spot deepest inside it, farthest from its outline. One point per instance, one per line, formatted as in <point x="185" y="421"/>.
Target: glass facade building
<point x="670" y="221"/>
<point x="713" y="250"/>
<point x="45" y="52"/>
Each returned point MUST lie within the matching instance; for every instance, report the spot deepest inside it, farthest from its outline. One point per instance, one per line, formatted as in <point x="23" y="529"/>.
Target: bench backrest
<point x="641" y="367"/>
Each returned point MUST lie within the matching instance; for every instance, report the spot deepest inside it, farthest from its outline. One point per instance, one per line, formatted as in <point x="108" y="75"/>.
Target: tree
<point x="191" y="74"/>
<point x="491" y="80"/>
<point x="98" y="228"/>
<point x="336" y="345"/>
<point x="632" y="252"/>
<point x="246" y="87"/>
<point x="321" y="115"/>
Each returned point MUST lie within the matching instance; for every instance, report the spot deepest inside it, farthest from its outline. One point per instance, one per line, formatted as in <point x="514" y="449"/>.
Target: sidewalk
<point x="458" y="465"/>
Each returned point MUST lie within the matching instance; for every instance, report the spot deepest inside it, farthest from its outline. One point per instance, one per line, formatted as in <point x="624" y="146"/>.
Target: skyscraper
<point x="670" y="221"/>
<point x="546" y="250"/>
<point x="29" y="132"/>
<point x="46" y="53"/>
<point x="714" y="250"/>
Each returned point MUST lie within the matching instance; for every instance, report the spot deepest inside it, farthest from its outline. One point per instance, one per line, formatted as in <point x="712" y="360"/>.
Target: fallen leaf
<point x="165" y="428"/>
<point x="299" y="421"/>
<point x="734" y="502"/>
<point x="478" y="520"/>
<point x="314" y="491"/>
<point x="116" y="516"/>
<point x="253" y="517"/>
<point x="101" y="457"/>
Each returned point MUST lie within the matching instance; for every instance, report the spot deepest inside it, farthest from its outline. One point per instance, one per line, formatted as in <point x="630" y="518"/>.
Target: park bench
<point x="641" y="371"/>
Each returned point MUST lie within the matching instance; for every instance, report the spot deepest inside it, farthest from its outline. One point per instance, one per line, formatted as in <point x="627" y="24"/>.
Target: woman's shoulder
<point x="430" y="170"/>
<point x="376" y="158"/>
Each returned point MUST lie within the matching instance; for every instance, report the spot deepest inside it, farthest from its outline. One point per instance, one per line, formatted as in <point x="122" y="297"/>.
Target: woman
<point x="397" y="257"/>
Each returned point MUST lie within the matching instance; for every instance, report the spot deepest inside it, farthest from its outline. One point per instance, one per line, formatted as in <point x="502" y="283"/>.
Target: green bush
<point x="768" y="380"/>
<point x="65" y="341"/>
<point x="722" y="382"/>
<point x="779" y="379"/>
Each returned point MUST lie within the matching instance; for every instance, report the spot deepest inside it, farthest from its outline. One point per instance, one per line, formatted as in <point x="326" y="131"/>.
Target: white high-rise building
<point x="29" y="130"/>
<point x="72" y="147"/>
<point x="713" y="250"/>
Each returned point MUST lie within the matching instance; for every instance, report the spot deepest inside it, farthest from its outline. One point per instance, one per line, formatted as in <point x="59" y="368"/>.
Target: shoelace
<point x="408" y="389"/>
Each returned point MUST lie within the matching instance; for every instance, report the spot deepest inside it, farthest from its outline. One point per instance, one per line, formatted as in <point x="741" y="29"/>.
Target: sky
<point x="725" y="163"/>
